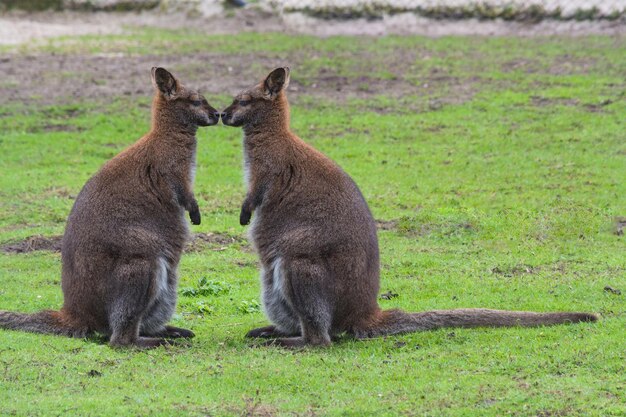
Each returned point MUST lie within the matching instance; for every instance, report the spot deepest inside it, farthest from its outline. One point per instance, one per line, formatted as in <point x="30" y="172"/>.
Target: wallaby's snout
<point x="213" y="116"/>
<point x="227" y="116"/>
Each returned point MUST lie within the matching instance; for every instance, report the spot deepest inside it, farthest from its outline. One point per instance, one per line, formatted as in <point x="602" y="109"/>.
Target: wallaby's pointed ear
<point x="276" y="81"/>
<point x="165" y="82"/>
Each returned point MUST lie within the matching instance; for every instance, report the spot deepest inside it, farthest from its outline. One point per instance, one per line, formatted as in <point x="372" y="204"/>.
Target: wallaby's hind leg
<point x="163" y="306"/>
<point x="133" y="279"/>
<point x="285" y="319"/>
<point x="304" y="286"/>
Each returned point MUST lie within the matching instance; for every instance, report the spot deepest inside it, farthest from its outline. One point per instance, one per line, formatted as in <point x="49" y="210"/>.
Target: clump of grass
<point x="203" y="308"/>
<point x="249" y="307"/>
<point x="206" y="287"/>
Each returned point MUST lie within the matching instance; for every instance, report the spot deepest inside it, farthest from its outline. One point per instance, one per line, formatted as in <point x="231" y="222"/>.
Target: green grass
<point x="506" y="200"/>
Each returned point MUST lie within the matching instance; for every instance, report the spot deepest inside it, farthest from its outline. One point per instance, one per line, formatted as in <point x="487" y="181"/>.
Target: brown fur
<point x="316" y="238"/>
<point x="125" y="234"/>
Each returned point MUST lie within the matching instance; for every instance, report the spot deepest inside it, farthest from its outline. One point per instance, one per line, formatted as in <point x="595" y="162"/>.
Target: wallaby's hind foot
<point x="140" y="343"/>
<point x="169" y="332"/>
<point x="295" y="342"/>
<point x="311" y="337"/>
<point x="268" y="332"/>
<point x="172" y="332"/>
<point x="287" y="342"/>
<point x="151" y="342"/>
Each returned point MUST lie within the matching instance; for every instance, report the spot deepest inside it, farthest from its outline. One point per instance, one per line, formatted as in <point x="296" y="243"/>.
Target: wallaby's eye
<point x="244" y="102"/>
<point x="196" y="102"/>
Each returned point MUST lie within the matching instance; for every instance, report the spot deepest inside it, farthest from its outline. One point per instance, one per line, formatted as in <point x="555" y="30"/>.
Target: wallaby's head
<point x="261" y="102"/>
<point x="182" y="104"/>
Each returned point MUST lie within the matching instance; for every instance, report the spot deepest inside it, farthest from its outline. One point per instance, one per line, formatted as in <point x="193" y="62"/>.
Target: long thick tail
<point x="397" y="321"/>
<point x="47" y="321"/>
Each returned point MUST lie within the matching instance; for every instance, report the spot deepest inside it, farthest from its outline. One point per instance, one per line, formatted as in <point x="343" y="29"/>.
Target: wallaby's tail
<point x="397" y="321"/>
<point x="47" y="321"/>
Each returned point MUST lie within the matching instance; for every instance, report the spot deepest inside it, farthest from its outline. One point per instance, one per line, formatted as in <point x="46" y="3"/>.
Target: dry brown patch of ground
<point x="198" y="242"/>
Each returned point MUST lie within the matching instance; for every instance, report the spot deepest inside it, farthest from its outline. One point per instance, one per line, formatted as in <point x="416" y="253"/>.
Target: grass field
<point x="496" y="169"/>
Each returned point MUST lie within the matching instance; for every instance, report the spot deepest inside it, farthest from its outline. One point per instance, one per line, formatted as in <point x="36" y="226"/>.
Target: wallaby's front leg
<point x="187" y="200"/>
<point x="252" y="201"/>
<point x="194" y="211"/>
<point x="246" y="212"/>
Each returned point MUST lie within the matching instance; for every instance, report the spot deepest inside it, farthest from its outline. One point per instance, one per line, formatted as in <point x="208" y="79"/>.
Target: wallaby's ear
<point x="277" y="80"/>
<point x="165" y="82"/>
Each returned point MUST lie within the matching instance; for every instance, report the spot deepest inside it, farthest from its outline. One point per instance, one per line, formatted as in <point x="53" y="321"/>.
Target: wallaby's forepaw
<point x="194" y="216"/>
<point x="244" y="217"/>
<point x="194" y="210"/>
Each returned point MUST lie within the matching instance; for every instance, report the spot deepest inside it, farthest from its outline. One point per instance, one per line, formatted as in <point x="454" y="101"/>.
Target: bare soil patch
<point x="213" y="241"/>
<point x="612" y="290"/>
<point x="198" y="242"/>
<point x="47" y="127"/>
<point x="619" y="225"/>
<point x="387" y="224"/>
<point x="34" y="243"/>
<point x="544" y="101"/>
<point x="517" y="270"/>
<point x="58" y="79"/>
<point x="51" y="79"/>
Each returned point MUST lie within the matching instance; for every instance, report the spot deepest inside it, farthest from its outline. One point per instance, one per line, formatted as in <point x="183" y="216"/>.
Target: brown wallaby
<point x="316" y="238"/>
<point x="126" y="232"/>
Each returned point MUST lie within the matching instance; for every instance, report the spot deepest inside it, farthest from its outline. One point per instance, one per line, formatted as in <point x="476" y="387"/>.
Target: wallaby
<point x="316" y="238"/>
<point x="126" y="232"/>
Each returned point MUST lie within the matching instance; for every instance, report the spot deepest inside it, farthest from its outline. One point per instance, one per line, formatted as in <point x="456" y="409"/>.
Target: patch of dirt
<point x="246" y="264"/>
<point x="619" y="225"/>
<point x="563" y="64"/>
<point x="199" y="242"/>
<point x="253" y="407"/>
<point x="612" y="290"/>
<point x="516" y="270"/>
<point x="389" y="295"/>
<point x="55" y="128"/>
<point x="544" y="101"/>
<point x="213" y="241"/>
<point x="52" y="79"/>
<point x="555" y="413"/>
<point x="34" y="243"/>
<point x="414" y="229"/>
<point x="599" y="107"/>
<point x="449" y="229"/>
<point x="45" y="79"/>
<point x="387" y="224"/>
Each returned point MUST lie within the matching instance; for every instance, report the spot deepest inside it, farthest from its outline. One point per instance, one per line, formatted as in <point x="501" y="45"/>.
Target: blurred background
<point x="27" y="19"/>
